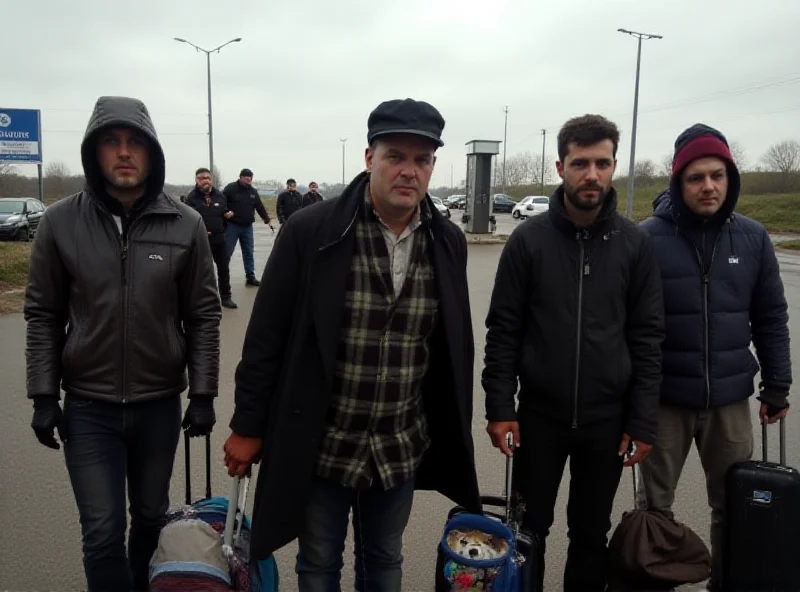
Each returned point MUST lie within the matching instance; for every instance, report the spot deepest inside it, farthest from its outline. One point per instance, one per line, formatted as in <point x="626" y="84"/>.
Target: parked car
<point x="502" y="203"/>
<point x="456" y="202"/>
<point x="19" y="217"/>
<point x="530" y="206"/>
<point x="443" y="209"/>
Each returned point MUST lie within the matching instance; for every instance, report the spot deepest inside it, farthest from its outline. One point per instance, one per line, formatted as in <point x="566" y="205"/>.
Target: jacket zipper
<point x="124" y="301"/>
<point x="123" y="364"/>
<point x="706" y="345"/>
<point x="582" y="270"/>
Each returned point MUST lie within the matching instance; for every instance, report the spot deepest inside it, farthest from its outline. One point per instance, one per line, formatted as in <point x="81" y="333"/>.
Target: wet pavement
<point x="40" y="535"/>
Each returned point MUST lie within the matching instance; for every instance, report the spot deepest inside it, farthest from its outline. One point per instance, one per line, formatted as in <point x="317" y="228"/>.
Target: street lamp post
<point x="639" y="36"/>
<point x="208" y="53"/>
<point x="505" y="138"/>
<point x="343" y="141"/>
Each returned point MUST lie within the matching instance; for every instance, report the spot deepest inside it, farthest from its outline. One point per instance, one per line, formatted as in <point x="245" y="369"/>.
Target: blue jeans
<point x="244" y="235"/>
<point x="107" y="442"/>
<point x="379" y="519"/>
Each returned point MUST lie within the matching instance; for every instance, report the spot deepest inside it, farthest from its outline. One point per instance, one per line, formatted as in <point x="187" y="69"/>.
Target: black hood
<point x="121" y="112"/>
<point x="670" y="203"/>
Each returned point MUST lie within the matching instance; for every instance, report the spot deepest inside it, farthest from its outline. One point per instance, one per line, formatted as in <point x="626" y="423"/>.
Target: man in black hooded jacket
<point x="121" y="296"/>
<point x="576" y="318"/>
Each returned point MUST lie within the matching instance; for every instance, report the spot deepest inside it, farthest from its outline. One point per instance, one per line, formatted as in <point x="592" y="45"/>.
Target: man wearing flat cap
<point x="355" y="383"/>
<point x="244" y="202"/>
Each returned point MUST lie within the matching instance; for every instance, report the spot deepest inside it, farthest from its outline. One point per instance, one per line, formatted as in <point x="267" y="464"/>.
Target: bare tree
<point x="6" y="168"/>
<point x="783" y="157"/>
<point x="645" y="171"/>
<point x="56" y="180"/>
<point x="216" y="177"/>
<point x="666" y="165"/>
<point x="57" y="169"/>
<point x="739" y="155"/>
<point x="525" y="168"/>
<point x="536" y="171"/>
<point x="519" y="169"/>
<point x="9" y="180"/>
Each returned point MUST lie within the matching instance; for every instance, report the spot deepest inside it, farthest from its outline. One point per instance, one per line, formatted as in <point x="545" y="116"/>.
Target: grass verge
<point x="793" y="244"/>
<point x="778" y="213"/>
<point x="14" y="259"/>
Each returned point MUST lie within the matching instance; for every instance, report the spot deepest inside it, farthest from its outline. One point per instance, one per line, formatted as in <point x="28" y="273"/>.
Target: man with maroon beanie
<point x="722" y="287"/>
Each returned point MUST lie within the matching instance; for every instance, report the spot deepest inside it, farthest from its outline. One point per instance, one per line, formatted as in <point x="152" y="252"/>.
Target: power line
<point x="719" y="95"/>
<point x="743" y="116"/>
<point x="772" y="82"/>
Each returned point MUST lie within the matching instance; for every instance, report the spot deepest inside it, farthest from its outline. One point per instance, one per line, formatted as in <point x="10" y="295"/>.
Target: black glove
<point x="776" y="400"/>
<point x="200" y="418"/>
<point x="47" y="417"/>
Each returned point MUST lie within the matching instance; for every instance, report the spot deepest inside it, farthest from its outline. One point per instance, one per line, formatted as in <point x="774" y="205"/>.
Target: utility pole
<point x="451" y="176"/>
<point x="544" y="135"/>
<point x="343" y="141"/>
<point x="505" y="138"/>
<point x="208" y="53"/>
<point x="639" y="36"/>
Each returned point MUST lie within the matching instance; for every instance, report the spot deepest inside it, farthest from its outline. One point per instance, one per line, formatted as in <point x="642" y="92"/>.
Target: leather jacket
<point x="117" y="311"/>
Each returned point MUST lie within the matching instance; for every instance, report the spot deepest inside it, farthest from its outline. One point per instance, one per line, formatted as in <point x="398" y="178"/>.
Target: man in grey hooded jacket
<point x="121" y="298"/>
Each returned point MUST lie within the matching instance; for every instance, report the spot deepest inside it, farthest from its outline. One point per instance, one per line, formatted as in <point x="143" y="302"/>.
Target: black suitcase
<point x="762" y="518"/>
<point x="512" y="511"/>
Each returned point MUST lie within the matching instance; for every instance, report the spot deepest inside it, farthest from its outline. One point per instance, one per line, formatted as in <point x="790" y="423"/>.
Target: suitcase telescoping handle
<point x="509" y="468"/>
<point x="188" y="467"/>
<point x="764" y="454"/>
<point x="237" y="504"/>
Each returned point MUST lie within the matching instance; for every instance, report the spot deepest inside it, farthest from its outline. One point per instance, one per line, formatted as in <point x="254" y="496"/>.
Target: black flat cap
<point x="406" y="116"/>
<point x="246" y="173"/>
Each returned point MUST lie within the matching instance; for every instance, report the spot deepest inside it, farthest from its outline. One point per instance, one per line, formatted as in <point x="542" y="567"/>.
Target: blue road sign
<point x="20" y="136"/>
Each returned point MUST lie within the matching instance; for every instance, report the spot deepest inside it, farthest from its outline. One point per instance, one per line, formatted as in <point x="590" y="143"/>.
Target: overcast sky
<point x="308" y="72"/>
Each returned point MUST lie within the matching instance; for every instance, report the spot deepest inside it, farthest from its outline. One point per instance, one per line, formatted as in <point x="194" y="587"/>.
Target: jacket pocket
<point x="70" y="347"/>
<point x="156" y="349"/>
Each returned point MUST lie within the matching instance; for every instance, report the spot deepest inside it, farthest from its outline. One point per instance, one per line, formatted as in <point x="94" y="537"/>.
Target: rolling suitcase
<point x="762" y="516"/>
<point x="508" y="511"/>
<point x="205" y="545"/>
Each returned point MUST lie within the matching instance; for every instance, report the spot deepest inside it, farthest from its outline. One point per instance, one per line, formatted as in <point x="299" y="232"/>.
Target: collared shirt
<point x="375" y="426"/>
<point x="399" y="247"/>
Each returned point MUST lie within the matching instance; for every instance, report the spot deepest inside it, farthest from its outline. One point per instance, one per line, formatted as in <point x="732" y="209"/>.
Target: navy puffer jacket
<point x="711" y="319"/>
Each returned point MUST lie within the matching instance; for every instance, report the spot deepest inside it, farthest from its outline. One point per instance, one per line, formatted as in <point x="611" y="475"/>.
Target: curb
<point x="486" y="239"/>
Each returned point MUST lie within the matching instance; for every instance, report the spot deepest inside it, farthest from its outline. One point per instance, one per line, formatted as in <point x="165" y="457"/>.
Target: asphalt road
<point x="40" y="535"/>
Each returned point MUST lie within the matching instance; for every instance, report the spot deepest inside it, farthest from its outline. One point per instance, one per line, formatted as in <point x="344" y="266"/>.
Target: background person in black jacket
<point x="289" y="201"/>
<point x="576" y="316"/>
<point x="244" y="202"/>
<point x="121" y="299"/>
<point x="722" y="285"/>
<point x="213" y="207"/>
<point x="313" y="196"/>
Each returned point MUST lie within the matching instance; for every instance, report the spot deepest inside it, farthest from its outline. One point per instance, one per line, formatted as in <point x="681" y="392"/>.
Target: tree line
<point x="777" y="171"/>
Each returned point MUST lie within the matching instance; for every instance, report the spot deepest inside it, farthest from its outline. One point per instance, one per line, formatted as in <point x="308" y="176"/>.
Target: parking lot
<point x="40" y="538"/>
